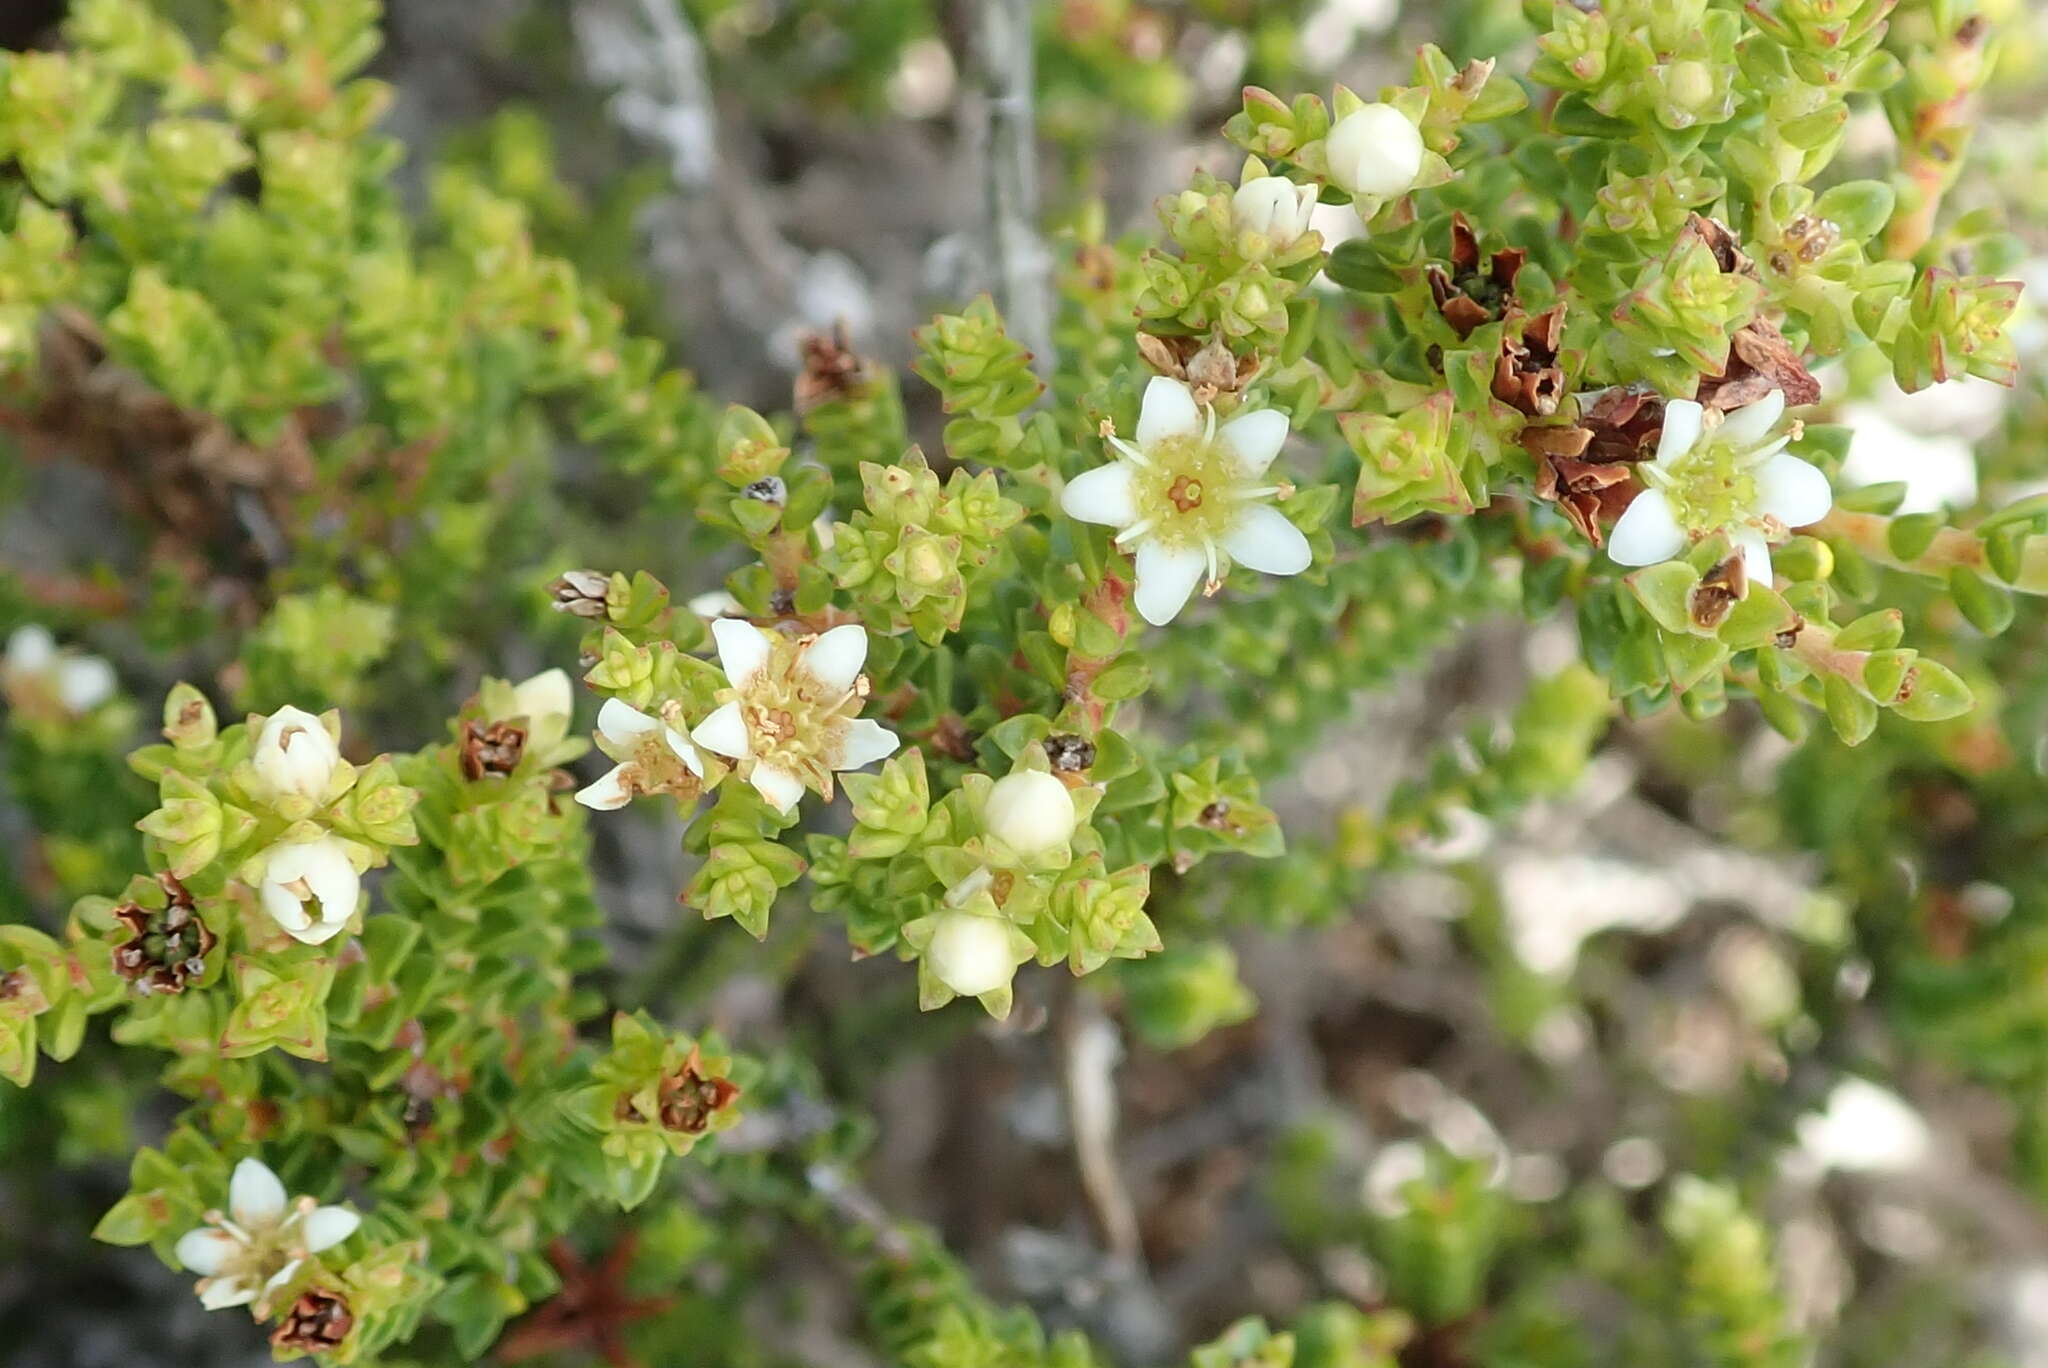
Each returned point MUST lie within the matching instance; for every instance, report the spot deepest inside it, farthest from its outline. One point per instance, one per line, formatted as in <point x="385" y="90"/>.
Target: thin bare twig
<point x="1003" y="127"/>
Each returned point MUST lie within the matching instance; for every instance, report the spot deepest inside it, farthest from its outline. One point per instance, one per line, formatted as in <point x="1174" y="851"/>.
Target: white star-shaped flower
<point x="791" y="716"/>
<point x="254" y="1249"/>
<point x="1732" y="475"/>
<point x="651" y="756"/>
<point x="1186" y="494"/>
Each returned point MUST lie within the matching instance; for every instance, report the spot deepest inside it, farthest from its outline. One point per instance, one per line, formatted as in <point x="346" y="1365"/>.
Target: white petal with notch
<point x="1166" y="577"/>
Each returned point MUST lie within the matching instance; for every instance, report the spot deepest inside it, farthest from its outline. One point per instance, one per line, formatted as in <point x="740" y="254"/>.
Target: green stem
<point x="1952" y="548"/>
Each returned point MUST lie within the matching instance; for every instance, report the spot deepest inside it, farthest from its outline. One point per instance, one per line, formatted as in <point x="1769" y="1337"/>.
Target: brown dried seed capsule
<point x="1068" y="753"/>
<point x="318" y="1321"/>
<point x="689" y="1099"/>
<point x="166" y="949"/>
<point x="492" y="748"/>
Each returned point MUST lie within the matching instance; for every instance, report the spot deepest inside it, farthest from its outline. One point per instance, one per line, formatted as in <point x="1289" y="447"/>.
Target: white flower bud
<point x="294" y="755"/>
<point x="1030" y="811"/>
<point x="970" y="953"/>
<point x="1374" y="151"/>
<point x="1273" y="207"/>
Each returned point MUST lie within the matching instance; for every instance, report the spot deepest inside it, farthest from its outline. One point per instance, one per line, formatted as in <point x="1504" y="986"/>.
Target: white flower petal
<point x="30" y="649"/>
<point x="328" y="1226"/>
<point x="1169" y="410"/>
<point x="282" y="1276"/>
<point x="547" y="694"/>
<point x="1255" y="438"/>
<point x="1166" y="577"/>
<point x="221" y="1293"/>
<point x="835" y="658"/>
<point x="1793" y="491"/>
<point x="866" y="742"/>
<point x="1683" y="420"/>
<point x="1106" y="495"/>
<point x="317" y="933"/>
<point x="725" y="732"/>
<point x="743" y="649"/>
<point x="334" y="881"/>
<point x="1263" y="539"/>
<point x="285" y="908"/>
<point x="84" y="682"/>
<point x="1756" y="555"/>
<point x="204" y="1251"/>
<point x="255" y="1196"/>
<point x="1750" y="424"/>
<point x="623" y="724"/>
<point x="1646" y="534"/>
<point x="685" y="752"/>
<point x="608" y="793"/>
<point x="782" y="789"/>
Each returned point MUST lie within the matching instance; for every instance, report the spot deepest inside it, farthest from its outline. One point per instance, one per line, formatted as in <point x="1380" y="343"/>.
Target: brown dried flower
<point x="581" y="593"/>
<point x="1069" y="753"/>
<point x="1467" y="299"/>
<point x="490" y="748"/>
<point x="318" y="1322"/>
<point x="1586" y="468"/>
<point x="166" y="949"/>
<point x="1718" y="591"/>
<point x="832" y="370"/>
<point x="1526" y="375"/>
<point x="688" y="1100"/>
<point x="1208" y="368"/>
<point x="1759" y="360"/>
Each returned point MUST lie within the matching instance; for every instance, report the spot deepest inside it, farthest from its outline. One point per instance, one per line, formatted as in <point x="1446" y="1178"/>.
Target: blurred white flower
<point x="1865" y="1128"/>
<point x="651" y="757"/>
<point x="256" y="1247"/>
<point x="34" y="666"/>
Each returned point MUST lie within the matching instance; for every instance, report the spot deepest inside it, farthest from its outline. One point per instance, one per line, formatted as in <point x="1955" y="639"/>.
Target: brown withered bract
<point x="1759" y="360"/>
<point x="1721" y="241"/>
<point x="167" y="949"/>
<point x="689" y="1100"/>
<point x="832" y="369"/>
<point x="1466" y="298"/>
<point x="490" y="748"/>
<point x="1526" y="376"/>
<point x="581" y="593"/>
<point x="1587" y="468"/>
<point x="1718" y="591"/>
<point x="1208" y="368"/>
<point x="318" y="1322"/>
